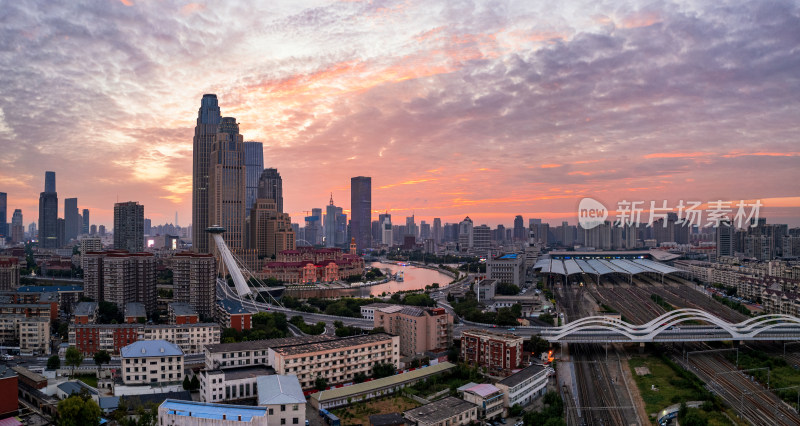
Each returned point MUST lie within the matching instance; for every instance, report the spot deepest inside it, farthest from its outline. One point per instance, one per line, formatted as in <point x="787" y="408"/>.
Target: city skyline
<point x="483" y="111"/>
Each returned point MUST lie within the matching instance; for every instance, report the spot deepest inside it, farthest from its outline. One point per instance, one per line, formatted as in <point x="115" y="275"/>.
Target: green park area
<point x="358" y="414"/>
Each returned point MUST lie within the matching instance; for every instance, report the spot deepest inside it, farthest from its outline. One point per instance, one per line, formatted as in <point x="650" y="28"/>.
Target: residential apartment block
<point x="151" y="361"/>
<point x="498" y="353"/>
<point x="191" y="338"/>
<point x="421" y="330"/>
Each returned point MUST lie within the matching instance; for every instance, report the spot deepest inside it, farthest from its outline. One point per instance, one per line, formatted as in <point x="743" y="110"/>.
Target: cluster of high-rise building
<point x="232" y="189"/>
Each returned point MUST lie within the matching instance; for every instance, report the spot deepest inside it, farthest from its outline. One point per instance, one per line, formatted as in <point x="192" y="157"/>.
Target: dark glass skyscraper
<point x="519" y="229"/>
<point x="72" y="219"/>
<point x="205" y="133"/>
<point x="254" y="165"/>
<point x="86" y="223"/>
<point x="3" y="215"/>
<point x="361" y="211"/>
<point x="48" y="213"/>
<point x="270" y="186"/>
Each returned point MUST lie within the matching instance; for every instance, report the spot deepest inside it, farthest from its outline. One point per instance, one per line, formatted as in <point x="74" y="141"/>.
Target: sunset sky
<point x="454" y="108"/>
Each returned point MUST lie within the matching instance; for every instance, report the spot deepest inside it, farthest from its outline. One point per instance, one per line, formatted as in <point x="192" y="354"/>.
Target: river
<point x="414" y="278"/>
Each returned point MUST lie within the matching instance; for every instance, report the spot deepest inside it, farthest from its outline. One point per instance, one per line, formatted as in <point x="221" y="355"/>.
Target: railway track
<point x="750" y="399"/>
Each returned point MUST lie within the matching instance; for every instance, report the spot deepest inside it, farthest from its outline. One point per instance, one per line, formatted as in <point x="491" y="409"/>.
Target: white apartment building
<point x="231" y="384"/>
<point x="151" y="361"/>
<point x="283" y="398"/>
<point x="524" y="386"/>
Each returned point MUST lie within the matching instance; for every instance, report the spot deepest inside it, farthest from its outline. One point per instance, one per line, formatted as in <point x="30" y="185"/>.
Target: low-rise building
<point x="368" y="311"/>
<point x="189" y="413"/>
<point x="253" y="352"/>
<point x="231" y="384"/>
<point x="486" y="289"/>
<point x="337" y="360"/>
<point x="447" y="411"/>
<point x="508" y="268"/>
<point x="9" y="401"/>
<point x="90" y="338"/>
<point x="85" y="313"/>
<point x="151" y="361"/>
<point x="284" y="399"/>
<point x="182" y="313"/>
<point x="524" y="386"/>
<point x="231" y="314"/>
<point x="32" y="333"/>
<point x="498" y="353"/>
<point x="488" y="398"/>
<point x="135" y="312"/>
<point x="421" y="330"/>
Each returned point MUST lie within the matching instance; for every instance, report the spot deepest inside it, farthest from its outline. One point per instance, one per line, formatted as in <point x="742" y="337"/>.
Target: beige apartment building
<point x="421" y="330"/>
<point x="151" y="361"/>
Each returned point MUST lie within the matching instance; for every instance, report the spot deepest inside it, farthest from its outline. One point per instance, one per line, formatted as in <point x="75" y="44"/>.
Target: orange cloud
<point x="550" y="166"/>
<point x="640" y="19"/>
<point x="408" y="182"/>
<point x="677" y="154"/>
<point x="191" y="8"/>
<point x="126" y="2"/>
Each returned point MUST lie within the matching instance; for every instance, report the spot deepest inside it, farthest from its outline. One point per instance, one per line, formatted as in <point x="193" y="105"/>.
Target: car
<point x="512" y="329"/>
<point x="502" y="420"/>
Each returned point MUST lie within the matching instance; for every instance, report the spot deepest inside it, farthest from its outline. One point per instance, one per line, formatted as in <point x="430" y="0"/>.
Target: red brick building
<point x="308" y="264"/>
<point x="231" y="314"/>
<point x="498" y="353"/>
<point x="182" y="313"/>
<point x="9" y="404"/>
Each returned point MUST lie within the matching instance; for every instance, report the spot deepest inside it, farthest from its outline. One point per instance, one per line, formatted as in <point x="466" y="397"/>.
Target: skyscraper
<point x="72" y="219"/>
<point x="519" y="229"/>
<point x="330" y="224"/>
<point x="48" y="213"/>
<point x="205" y="133"/>
<point x="254" y="164"/>
<point x="361" y="211"/>
<point x="438" y="232"/>
<point x="129" y="226"/>
<point x="386" y="229"/>
<point x="226" y="184"/>
<point x="411" y="227"/>
<point x="17" y="229"/>
<point x="3" y="215"/>
<point x="195" y="281"/>
<point x="725" y="239"/>
<point x="86" y="223"/>
<point x="465" y="235"/>
<point x="270" y="186"/>
<point x="270" y="231"/>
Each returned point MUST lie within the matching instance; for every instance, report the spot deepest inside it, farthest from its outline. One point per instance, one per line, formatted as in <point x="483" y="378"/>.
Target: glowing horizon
<point x="475" y="109"/>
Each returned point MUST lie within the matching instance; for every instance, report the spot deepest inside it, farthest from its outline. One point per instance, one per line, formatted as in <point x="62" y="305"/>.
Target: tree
<point x="382" y="370"/>
<point x="186" y="383"/>
<point x="100" y="358"/>
<point x="195" y="385"/>
<point x="78" y="411"/>
<point x="53" y="363"/>
<point x="320" y="384"/>
<point x="73" y="358"/>
<point x="359" y="377"/>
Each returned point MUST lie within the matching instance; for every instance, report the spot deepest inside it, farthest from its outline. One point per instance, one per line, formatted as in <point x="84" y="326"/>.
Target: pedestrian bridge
<point x="672" y="327"/>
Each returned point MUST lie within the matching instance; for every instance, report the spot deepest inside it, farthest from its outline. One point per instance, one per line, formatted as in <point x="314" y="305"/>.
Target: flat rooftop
<point x="259" y="345"/>
<point x="365" y="387"/>
<point x="522" y="375"/>
<point x="441" y="410"/>
<point x="205" y="410"/>
<point x="181" y="309"/>
<point x="86" y="308"/>
<point x="344" y="342"/>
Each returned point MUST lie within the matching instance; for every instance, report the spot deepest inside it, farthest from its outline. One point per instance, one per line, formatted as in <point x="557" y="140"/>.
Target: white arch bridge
<point x="672" y="327"/>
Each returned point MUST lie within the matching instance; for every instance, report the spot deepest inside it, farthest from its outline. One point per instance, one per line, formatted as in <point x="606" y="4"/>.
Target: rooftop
<point x="49" y="288"/>
<point x="440" y="410"/>
<point x="258" y="345"/>
<point x="489" y="334"/>
<point x="509" y="256"/>
<point x="205" y="410"/>
<point x="47" y="297"/>
<point x="239" y="373"/>
<point x="412" y="311"/>
<point x="232" y="307"/>
<point x="75" y="387"/>
<point x="150" y="348"/>
<point x="279" y="390"/>
<point x="135" y="309"/>
<point x="30" y="375"/>
<point x="359" y="388"/>
<point x="483" y="390"/>
<point x="181" y="308"/>
<point x="522" y="375"/>
<point x="86" y="308"/>
<point x="390" y="419"/>
<point x="327" y="345"/>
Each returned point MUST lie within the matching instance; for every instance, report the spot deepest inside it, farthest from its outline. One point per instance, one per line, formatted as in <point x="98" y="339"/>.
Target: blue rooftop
<point x="150" y="348"/>
<point x="205" y="410"/>
<point x="48" y="288"/>
<point x="508" y="256"/>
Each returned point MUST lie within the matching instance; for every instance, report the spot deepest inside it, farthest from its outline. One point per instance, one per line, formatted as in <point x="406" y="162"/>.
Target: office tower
<point x="101" y="230"/>
<point x="72" y="219"/>
<point x="48" y="213"/>
<point x="3" y="216"/>
<point x="465" y="236"/>
<point x="128" y="226"/>
<point x="148" y="225"/>
<point x="32" y="232"/>
<point x="270" y="230"/>
<point x="329" y="225"/>
<point x="86" y="223"/>
<point x="481" y="238"/>
<point x="270" y="186"/>
<point x="61" y="229"/>
<point x="361" y="211"/>
<point x="205" y="134"/>
<point x="534" y="222"/>
<point x="424" y="231"/>
<point x="386" y="229"/>
<point x="450" y="232"/>
<point x="254" y="166"/>
<point x="341" y="227"/>
<point x="725" y="239"/>
<point x="17" y="229"/>
<point x="194" y="278"/>
<point x="226" y="184"/>
<point x="93" y="230"/>
<point x="519" y="229"/>
<point x="438" y="232"/>
<point x="411" y="227"/>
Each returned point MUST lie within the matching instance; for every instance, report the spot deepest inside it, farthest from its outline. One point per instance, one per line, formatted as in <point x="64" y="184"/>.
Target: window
<point x="283" y="408"/>
<point x="283" y="421"/>
<point x="295" y="420"/>
<point x="294" y="407"/>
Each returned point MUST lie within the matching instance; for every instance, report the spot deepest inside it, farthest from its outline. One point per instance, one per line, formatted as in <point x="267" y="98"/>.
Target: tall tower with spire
<point x="205" y="134"/>
<point x="329" y="224"/>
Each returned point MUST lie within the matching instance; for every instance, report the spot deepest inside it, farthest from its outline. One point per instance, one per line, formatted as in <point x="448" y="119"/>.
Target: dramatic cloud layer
<point x="453" y="107"/>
